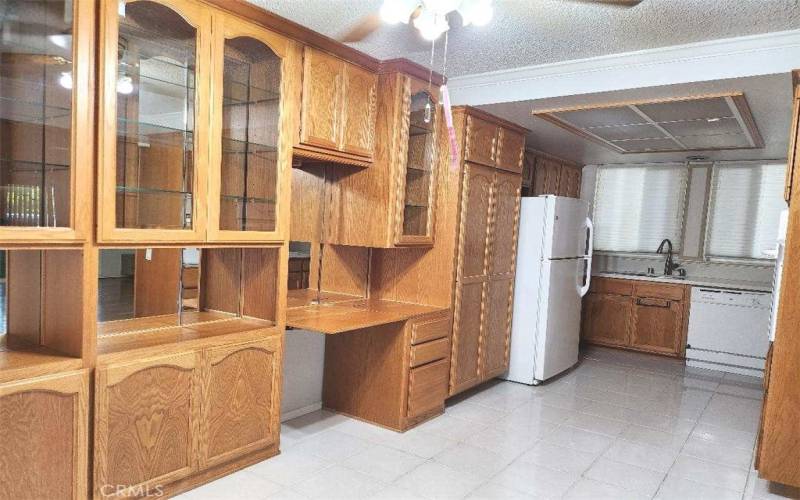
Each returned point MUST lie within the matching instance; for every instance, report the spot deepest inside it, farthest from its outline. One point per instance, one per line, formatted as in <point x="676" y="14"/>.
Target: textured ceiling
<point x="769" y="98"/>
<point x="531" y="32"/>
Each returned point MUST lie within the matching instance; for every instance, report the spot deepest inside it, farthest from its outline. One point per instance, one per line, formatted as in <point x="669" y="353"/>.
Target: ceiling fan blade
<point x="612" y="3"/>
<point x="366" y="26"/>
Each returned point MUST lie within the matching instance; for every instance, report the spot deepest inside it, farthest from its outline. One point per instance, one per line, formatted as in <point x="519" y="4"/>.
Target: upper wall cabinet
<point x="46" y="60"/>
<point x="338" y="110"/>
<point x="493" y="145"/>
<point x="164" y="69"/>
<point x="253" y="115"/>
<point x="399" y="189"/>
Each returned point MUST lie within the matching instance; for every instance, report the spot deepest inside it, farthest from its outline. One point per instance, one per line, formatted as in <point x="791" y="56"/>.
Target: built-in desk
<point x="337" y="313"/>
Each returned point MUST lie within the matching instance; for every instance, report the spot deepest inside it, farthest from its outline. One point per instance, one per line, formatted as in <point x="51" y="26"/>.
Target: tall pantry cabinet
<point x="491" y="164"/>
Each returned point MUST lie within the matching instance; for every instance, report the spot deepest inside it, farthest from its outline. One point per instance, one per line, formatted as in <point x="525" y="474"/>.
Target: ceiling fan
<point x="430" y="16"/>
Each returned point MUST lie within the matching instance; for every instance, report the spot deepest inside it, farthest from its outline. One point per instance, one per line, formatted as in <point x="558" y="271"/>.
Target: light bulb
<point x="477" y="12"/>
<point x="397" y="11"/>
<point x="65" y="80"/>
<point x="125" y="85"/>
<point x="431" y="25"/>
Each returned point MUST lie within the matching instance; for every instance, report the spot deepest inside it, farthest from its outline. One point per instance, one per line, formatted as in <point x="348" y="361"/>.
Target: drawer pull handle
<point x="653" y="303"/>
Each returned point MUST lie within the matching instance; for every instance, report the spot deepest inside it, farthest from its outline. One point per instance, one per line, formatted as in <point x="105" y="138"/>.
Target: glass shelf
<point x="31" y="166"/>
<point x="248" y="199"/>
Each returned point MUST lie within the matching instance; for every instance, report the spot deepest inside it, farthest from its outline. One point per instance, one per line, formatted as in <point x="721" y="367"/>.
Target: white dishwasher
<point x="729" y="330"/>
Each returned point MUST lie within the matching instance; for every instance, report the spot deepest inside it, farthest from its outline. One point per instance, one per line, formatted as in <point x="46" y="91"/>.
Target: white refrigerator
<point x="554" y="265"/>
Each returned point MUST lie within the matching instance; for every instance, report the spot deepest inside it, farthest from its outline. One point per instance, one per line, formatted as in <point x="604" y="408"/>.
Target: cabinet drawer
<point x="660" y="291"/>
<point x="427" y="387"/>
<point x="611" y="285"/>
<point x="429" y="351"/>
<point x="431" y="329"/>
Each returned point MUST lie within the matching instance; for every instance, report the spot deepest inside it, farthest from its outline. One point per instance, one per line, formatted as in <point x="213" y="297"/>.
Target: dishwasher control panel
<point x="732" y="297"/>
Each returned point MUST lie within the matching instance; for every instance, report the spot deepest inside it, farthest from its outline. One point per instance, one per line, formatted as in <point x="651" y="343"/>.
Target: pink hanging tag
<point x="451" y="131"/>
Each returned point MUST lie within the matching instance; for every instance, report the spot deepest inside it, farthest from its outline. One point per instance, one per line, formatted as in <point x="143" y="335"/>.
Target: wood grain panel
<point x="358" y="111"/>
<point x="475" y="215"/>
<point x="659" y="290"/>
<point x="242" y="400"/>
<point x="427" y="388"/>
<point x="511" y="147"/>
<point x="467" y="332"/>
<point x="496" y="337"/>
<point x="570" y="182"/>
<point x="505" y="221"/>
<point x="221" y="287"/>
<point x="260" y="283"/>
<point x="320" y="115"/>
<point x="481" y="141"/>
<point x="607" y="319"/>
<point x="657" y="325"/>
<point x="43" y="437"/>
<point x="145" y="419"/>
<point x="429" y="351"/>
<point x="546" y="179"/>
<point x="364" y="372"/>
<point x="156" y="282"/>
<point x="24" y="299"/>
<point x="611" y="285"/>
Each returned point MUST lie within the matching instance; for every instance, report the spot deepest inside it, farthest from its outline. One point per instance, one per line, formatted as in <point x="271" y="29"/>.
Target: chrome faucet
<point x="669" y="265"/>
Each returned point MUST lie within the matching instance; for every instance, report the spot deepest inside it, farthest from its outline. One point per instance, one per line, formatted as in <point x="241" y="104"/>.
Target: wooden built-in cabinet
<point x="161" y="419"/>
<point x="392" y="203"/>
<point x="47" y="121"/>
<point x="168" y="68"/>
<point x="395" y="375"/>
<point x="486" y="248"/>
<point x="338" y="109"/>
<point x="546" y="174"/>
<point x="44" y="426"/>
<point x="641" y="315"/>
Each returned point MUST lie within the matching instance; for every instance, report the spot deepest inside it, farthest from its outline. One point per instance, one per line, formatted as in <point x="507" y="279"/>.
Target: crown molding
<point x="764" y="54"/>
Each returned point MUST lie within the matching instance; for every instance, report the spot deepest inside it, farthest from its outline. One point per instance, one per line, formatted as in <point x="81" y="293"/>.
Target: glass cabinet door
<point x="420" y="171"/>
<point x="38" y="72"/>
<point x="155" y="81"/>
<point x="247" y="159"/>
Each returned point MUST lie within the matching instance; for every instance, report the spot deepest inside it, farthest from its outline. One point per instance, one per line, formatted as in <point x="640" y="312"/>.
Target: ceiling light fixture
<point x="430" y="16"/>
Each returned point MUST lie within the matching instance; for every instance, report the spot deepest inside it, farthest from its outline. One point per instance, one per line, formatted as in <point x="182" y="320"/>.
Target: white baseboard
<point x="739" y="370"/>
<point x="299" y="412"/>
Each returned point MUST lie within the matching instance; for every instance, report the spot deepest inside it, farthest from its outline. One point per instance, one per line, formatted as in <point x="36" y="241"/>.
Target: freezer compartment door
<point x="558" y="329"/>
<point x="566" y="228"/>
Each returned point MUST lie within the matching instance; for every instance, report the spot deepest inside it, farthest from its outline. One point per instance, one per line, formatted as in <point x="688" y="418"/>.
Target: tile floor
<point x="621" y="425"/>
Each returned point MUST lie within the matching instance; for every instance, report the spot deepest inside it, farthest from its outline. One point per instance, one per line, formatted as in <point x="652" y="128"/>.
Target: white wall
<point x="303" y="363"/>
<point x="692" y="251"/>
<point x="111" y="262"/>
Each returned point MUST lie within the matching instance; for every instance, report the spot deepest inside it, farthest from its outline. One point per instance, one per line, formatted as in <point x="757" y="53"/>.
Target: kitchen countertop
<point x="752" y="286"/>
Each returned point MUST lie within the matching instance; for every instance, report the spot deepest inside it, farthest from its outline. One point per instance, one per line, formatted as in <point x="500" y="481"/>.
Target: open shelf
<point x="113" y="338"/>
<point x="21" y="359"/>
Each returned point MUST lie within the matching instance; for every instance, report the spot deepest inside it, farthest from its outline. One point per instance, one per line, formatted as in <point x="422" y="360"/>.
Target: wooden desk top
<point x="345" y="316"/>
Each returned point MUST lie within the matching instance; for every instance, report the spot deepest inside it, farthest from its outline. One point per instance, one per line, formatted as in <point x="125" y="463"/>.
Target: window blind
<point x="744" y="209"/>
<point x="636" y="207"/>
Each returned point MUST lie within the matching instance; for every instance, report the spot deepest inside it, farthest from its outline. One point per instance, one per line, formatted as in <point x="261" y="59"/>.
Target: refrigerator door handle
<point x="587" y="277"/>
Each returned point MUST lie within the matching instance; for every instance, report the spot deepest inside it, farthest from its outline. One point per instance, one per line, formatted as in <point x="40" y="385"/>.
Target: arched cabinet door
<point x="155" y="73"/>
<point x="44" y="437"/>
<point x="254" y="111"/>
<point x="145" y="415"/>
<point x="46" y="120"/>
<point x="241" y="410"/>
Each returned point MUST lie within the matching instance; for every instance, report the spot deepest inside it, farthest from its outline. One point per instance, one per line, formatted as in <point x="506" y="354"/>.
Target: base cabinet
<point x="145" y="412"/>
<point x="162" y="419"/>
<point x="43" y="437"/>
<point x="241" y="407"/>
<point x="645" y="316"/>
